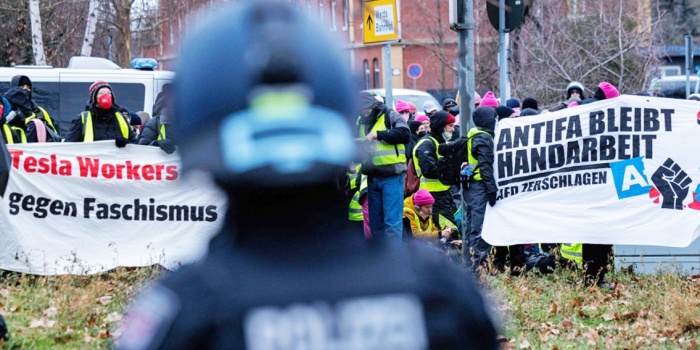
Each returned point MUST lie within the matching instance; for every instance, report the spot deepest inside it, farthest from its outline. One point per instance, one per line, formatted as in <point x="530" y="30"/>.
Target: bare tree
<point x="610" y="42"/>
<point x="37" y="38"/>
<point x="89" y="39"/>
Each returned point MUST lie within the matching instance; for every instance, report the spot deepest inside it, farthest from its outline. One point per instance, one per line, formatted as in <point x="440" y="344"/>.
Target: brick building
<point x="426" y="39"/>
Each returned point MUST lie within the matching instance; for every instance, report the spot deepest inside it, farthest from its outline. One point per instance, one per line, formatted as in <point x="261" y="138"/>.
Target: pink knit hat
<point x="402" y="106"/>
<point x="413" y="107"/>
<point x="477" y="98"/>
<point x="572" y="104"/>
<point x="421" y="118"/>
<point x="608" y="90"/>
<point x="423" y="197"/>
<point x="489" y="100"/>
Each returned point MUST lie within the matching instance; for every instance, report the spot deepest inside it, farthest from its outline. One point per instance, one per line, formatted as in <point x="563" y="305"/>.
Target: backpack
<point x="453" y="155"/>
<point x="412" y="183"/>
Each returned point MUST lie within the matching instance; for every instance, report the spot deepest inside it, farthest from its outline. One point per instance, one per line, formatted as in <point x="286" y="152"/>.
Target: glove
<point x="120" y="141"/>
<point x="492" y="198"/>
<point x="166" y="145"/>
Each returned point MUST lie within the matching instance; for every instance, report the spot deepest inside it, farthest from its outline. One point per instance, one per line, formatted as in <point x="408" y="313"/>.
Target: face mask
<point x="447" y="136"/>
<point x="405" y="116"/>
<point x="422" y="133"/>
<point x="105" y="101"/>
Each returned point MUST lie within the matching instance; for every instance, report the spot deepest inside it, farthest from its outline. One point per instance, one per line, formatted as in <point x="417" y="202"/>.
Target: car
<point x="416" y="97"/>
<point x="674" y="86"/>
<point x="63" y="92"/>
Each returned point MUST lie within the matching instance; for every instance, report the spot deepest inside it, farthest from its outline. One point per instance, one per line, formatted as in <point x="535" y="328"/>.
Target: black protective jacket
<point x="151" y="130"/>
<point x="482" y="149"/>
<point x="266" y="275"/>
<point x="427" y="152"/>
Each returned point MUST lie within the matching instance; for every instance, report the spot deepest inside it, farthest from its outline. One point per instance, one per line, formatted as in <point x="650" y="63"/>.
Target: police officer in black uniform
<point x="287" y="271"/>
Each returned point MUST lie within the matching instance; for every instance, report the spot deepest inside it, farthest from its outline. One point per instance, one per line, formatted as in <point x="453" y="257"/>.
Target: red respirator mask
<point x="105" y="101"/>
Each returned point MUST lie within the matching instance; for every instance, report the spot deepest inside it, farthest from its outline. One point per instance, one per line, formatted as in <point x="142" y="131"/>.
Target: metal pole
<point x="465" y="47"/>
<point x="465" y="59"/>
<point x="688" y="63"/>
<point x="386" y="57"/>
<point x="503" y="51"/>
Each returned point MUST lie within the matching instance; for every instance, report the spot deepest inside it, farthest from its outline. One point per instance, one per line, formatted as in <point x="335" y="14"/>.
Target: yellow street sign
<point x="380" y="21"/>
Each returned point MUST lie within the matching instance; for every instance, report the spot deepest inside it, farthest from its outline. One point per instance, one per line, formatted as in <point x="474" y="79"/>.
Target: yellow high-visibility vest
<point x="432" y="185"/>
<point x="89" y="132"/>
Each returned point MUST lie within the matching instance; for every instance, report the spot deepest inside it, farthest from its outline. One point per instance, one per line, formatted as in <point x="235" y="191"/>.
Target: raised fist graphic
<point x="673" y="183"/>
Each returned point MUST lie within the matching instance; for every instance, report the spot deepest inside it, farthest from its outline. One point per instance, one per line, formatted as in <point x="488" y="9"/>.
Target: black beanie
<point x="599" y="94"/>
<point x="414" y="125"/>
<point x="504" y="112"/>
<point x="530" y="103"/>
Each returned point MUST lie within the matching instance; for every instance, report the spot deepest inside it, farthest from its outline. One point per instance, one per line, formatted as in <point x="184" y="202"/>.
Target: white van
<point x="63" y="92"/>
<point x="674" y="86"/>
<point x="416" y="97"/>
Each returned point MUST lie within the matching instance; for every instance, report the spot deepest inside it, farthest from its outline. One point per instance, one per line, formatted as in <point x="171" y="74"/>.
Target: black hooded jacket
<point x="426" y="152"/>
<point x="482" y="146"/>
<point x="151" y="130"/>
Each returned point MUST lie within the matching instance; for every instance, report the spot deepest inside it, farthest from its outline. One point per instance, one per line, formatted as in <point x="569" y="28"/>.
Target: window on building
<point x="375" y="63"/>
<point x="333" y="24"/>
<point x="367" y="73"/>
<point x="346" y="14"/>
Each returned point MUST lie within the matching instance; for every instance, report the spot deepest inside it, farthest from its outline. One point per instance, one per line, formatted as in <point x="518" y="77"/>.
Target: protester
<point x="514" y="104"/>
<point x="428" y="168"/>
<point x="286" y="270"/>
<point x="384" y="134"/>
<point x="528" y="112"/>
<point x="504" y="112"/>
<point x="358" y="211"/>
<point x="135" y="122"/>
<point x="102" y="120"/>
<point x="489" y="100"/>
<point x="404" y="110"/>
<point x="156" y="131"/>
<point x="448" y="104"/>
<point x="37" y="112"/>
<point x="419" y="221"/>
<point x="574" y="93"/>
<point x="604" y="91"/>
<point x="20" y="107"/>
<point x="481" y="189"/>
<point x="429" y="108"/>
<point x="530" y="102"/>
<point x="8" y="135"/>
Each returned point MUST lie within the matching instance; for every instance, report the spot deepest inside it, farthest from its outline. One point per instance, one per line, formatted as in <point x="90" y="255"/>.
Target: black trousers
<point x="596" y="258"/>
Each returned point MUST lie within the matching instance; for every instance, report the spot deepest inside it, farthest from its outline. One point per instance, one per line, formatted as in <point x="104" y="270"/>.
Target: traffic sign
<point x="515" y="10"/>
<point x="380" y="20"/>
<point x="414" y="70"/>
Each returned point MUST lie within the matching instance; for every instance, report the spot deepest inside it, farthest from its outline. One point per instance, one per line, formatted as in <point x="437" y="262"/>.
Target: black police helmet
<point x="264" y="99"/>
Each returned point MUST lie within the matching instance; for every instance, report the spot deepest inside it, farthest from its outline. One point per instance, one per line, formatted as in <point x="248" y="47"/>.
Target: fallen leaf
<point x="608" y="317"/>
<point x="113" y="317"/>
<point x="553" y="308"/>
<point x="43" y="322"/>
<point x="4" y="292"/>
<point x="566" y="324"/>
<point x="104" y="300"/>
<point x="525" y="344"/>
<point x="104" y="334"/>
<point x="52" y="311"/>
<point x="14" y="309"/>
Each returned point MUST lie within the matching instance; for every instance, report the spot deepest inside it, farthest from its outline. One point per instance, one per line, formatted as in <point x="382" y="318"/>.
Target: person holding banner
<point x="156" y="131"/>
<point x="287" y="270"/>
<point x="103" y="119"/>
<point x="481" y="187"/>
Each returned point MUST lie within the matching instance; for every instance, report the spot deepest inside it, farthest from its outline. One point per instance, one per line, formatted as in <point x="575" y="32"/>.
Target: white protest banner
<point x="619" y="171"/>
<point x="85" y="208"/>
